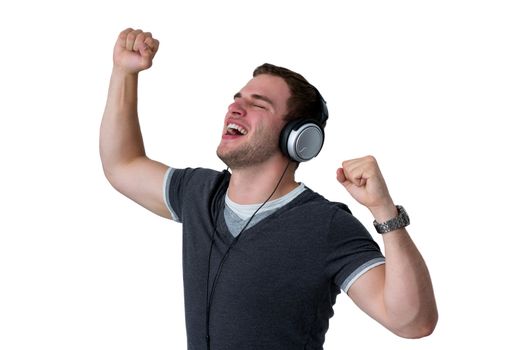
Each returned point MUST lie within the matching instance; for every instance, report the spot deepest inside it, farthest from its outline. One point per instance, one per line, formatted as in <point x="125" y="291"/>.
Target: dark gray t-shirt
<point x="280" y="281"/>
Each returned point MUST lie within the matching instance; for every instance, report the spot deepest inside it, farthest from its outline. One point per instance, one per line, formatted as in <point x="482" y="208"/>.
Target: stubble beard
<point x="248" y="154"/>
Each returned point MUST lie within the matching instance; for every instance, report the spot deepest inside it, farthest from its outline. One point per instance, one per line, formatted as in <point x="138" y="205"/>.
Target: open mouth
<point x="235" y="130"/>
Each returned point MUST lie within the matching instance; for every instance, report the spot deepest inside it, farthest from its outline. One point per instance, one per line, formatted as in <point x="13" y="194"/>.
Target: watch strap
<point x="400" y="221"/>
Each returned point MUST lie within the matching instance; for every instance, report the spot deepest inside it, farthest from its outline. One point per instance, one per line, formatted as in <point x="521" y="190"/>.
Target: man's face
<point x="253" y="122"/>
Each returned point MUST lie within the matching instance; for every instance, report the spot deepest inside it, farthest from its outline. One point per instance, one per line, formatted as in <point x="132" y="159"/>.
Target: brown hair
<point x="304" y="101"/>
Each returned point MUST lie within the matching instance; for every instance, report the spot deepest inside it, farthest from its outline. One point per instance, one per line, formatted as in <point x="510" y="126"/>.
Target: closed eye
<point x="255" y="101"/>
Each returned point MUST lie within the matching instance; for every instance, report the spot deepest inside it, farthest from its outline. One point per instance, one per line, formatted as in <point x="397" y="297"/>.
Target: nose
<point x="237" y="109"/>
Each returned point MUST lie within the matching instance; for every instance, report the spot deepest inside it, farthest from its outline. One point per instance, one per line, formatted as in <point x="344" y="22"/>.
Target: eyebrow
<point x="257" y="97"/>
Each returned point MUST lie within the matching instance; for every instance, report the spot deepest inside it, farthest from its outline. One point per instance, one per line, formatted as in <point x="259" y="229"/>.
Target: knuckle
<point x="124" y="34"/>
<point x="370" y="158"/>
<point x="134" y="34"/>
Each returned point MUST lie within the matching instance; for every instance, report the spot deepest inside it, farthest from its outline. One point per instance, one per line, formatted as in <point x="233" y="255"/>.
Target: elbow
<point x="108" y="167"/>
<point x="109" y="174"/>
<point x="115" y="172"/>
<point x="420" y="329"/>
<point x="417" y="332"/>
<point x="113" y="177"/>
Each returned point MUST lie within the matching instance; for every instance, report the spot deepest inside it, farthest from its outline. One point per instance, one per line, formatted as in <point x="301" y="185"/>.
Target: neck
<point x="254" y="184"/>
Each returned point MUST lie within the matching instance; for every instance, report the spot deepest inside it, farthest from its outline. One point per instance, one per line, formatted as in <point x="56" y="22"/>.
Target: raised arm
<point x="398" y="294"/>
<point x="122" y="152"/>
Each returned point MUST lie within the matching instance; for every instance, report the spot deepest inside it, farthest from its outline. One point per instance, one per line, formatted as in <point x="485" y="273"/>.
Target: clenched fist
<point x="363" y="180"/>
<point x="134" y="50"/>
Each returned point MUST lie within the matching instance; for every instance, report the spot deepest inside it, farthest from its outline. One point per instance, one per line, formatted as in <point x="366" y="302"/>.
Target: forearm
<point x="120" y="135"/>
<point x="408" y="293"/>
<point x="399" y="295"/>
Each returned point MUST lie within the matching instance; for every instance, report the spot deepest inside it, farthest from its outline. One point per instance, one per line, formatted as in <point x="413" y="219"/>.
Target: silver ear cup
<point x="305" y="143"/>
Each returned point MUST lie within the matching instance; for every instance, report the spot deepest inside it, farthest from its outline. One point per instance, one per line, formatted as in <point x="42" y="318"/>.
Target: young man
<point x="264" y="257"/>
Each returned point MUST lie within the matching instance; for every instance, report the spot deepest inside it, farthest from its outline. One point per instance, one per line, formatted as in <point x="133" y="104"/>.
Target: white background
<point x="435" y="90"/>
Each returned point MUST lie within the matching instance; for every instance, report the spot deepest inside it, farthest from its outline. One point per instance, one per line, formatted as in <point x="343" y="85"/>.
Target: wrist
<point x="384" y="213"/>
<point x="122" y="72"/>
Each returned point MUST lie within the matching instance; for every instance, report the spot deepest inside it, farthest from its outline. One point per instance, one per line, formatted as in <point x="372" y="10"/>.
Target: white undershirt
<point x="245" y="211"/>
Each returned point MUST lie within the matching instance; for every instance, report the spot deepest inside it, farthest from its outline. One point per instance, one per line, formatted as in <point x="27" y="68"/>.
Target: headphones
<point x="302" y="138"/>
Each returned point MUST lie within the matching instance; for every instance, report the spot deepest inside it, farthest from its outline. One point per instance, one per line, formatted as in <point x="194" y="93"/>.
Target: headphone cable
<point x="209" y="296"/>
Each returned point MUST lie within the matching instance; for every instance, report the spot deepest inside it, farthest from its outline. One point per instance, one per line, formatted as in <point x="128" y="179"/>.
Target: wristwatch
<point x="400" y="221"/>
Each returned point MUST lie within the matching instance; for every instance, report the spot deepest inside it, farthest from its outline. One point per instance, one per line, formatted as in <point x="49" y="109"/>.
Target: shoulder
<point x="182" y="185"/>
<point x="192" y="173"/>
<point x="317" y="201"/>
<point x="202" y="178"/>
<point x="315" y="210"/>
<point x="336" y="215"/>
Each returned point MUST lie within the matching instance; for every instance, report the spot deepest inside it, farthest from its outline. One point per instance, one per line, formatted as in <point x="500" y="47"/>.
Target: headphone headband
<point x="323" y="109"/>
